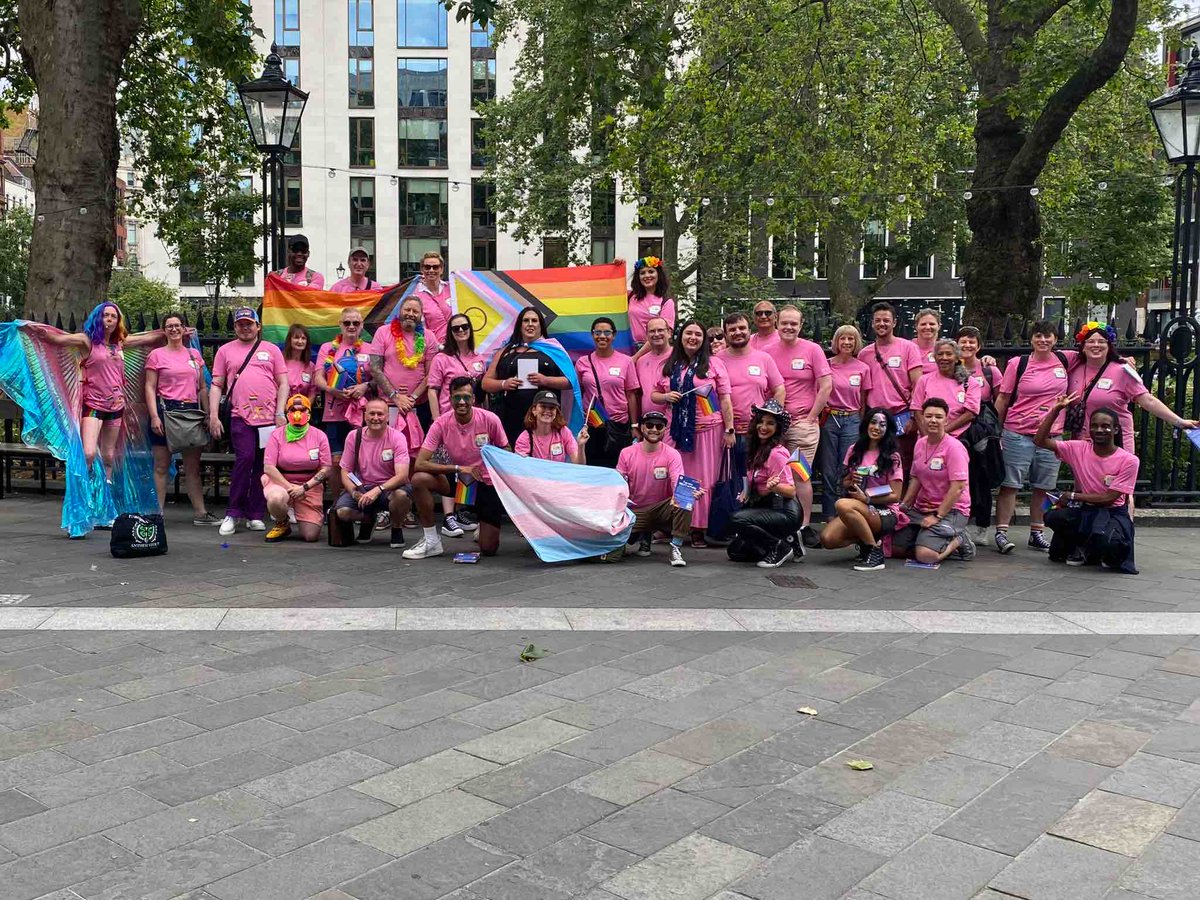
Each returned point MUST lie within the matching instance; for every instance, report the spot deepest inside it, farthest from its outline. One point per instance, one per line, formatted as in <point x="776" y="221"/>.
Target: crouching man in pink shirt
<point x="374" y="467"/>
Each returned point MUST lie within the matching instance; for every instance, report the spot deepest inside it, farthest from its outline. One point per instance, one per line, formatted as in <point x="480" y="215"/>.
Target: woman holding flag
<point x="696" y="386"/>
<point x="343" y="373"/>
<point x="764" y="529"/>
<point x="530" y="362"/>
<point x="609" y="382"/>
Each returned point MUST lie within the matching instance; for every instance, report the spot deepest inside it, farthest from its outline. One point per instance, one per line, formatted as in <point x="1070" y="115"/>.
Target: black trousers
<point x="606" y="443"/>
<point x="1104" y="534"/>
<point x="762" y="524"/>
<point x="980" y="487"/>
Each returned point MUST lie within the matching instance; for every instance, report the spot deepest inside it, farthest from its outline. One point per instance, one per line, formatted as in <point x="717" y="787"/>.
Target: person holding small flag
<point x="343" y="373"/>
<point x="764" y="529"/>
<point x="546" y="435"/>
<point x="609" y="382"/>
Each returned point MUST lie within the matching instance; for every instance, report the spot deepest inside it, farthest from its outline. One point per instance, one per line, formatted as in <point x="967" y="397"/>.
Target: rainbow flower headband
<point x="652" y="261"/>
<point x="1110" y="333"/>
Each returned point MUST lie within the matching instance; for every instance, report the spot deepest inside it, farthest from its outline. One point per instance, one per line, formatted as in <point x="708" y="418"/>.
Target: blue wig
<point x="93" y="325"/>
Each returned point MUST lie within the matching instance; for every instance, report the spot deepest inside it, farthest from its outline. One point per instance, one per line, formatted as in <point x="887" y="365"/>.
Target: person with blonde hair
<point x="927" y="327"/>
<point x="842" y="420"/>
<point x="434" y="294"/>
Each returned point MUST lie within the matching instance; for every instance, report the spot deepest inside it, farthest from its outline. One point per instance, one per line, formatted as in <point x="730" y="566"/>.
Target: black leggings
<point x="759" y="527"/>
<point x="980" y="487"/>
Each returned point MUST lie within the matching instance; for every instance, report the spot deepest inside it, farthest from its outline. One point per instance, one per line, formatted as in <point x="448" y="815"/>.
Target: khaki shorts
<point x="805" y="436"/>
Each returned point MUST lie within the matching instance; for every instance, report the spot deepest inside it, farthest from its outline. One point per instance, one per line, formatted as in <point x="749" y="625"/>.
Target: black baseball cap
<point x="547" y="397"/>
<point x="296" y="241"/>
<point x="653" y="415"/>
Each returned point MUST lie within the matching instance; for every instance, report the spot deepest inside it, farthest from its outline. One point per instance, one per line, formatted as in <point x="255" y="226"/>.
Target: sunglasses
<point x="462" y="398"/>
<point x="653" y="426"/>
<point x="432" y="268"/>
<point x="762" y="313"/>
<point x="350" y="323"/>
<point x="460" y="327"/>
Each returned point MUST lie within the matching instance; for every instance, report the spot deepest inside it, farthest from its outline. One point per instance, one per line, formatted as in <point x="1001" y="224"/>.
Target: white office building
<point x="388" y="156"/>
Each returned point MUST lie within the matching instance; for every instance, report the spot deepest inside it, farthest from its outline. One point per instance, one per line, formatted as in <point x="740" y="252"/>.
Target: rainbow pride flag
<point x="597" y="415"/>
<point x="286" y="304"/>
<point x="801" y="468"/>
<point x="464" y="494"/>
<point x="704" y="400"/>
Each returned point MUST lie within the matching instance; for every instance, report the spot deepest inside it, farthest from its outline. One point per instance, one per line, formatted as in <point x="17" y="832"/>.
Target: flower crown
<point x="652" y="261"/>
<point x="1110" y="333"/>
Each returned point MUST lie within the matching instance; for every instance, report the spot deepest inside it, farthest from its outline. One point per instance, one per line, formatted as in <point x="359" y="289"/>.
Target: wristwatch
<point x="729" y="431"/>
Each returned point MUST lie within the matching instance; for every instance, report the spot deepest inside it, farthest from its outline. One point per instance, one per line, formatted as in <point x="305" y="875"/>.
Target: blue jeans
<point x="838" y="435"/>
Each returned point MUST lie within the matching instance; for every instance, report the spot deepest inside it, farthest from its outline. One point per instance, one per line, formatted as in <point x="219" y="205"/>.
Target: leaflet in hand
<point x="902" y="419"/>
<point x="685" y="492"/>
<point x="1193" y="435"/>
<point x="525" y="368"/>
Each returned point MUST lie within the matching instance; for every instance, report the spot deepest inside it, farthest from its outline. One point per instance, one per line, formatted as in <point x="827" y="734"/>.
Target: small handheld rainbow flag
<point x="597" y="415"/>
<point x="704" y="402"/>
<point x="1048" y="501"/>
<point x="800" y="466"/>
<point x="464" y="494"/>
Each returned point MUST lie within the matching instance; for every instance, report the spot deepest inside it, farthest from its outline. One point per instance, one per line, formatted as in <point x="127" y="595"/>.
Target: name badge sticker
<point x="937" y="464"/>
<point x="660" y="473"/>
<point x="363" y="357"/>
<point x="961" y="397"/>
<point x="655" y="309"/>
<point x="556" y="449"/>
<point x="893" y="362"/>
<point x="855" y="380"/>
<point x="1060" y="372"/>
<point x="314" y="453"/>
<point x="481" y="440"/>
<point x="389" y="455"/>
<point x="797" y="364"/>
<point x="306" y="378"/>
<point x="262" y="355"/>
<point x="754" y="370"/>
<point x="477" y="366"/>
<point x="614" y="370"/>
<point x="1108" y="480"/>
<point x="1104" y="384"/>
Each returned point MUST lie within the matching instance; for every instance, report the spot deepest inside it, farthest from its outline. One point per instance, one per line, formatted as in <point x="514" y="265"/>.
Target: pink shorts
<point x="310" y="508"/>
<point x="805" y="436"/>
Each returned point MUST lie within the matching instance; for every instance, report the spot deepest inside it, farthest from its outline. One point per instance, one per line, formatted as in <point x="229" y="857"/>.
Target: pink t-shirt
<point x="934" y="467"/>
<point x="1096" y="474"/>
<point x="978" y="378"/>
<point x="256" y="391"/>
<point x="298" y="460"/>
<point x="379" y="457"/>
<point x="651" y="476"/>
<point x="753" y="377"/>
<point x="179" y="373"/>
<point x="928" y="364"/>
<point x="337" y="409"/>
<point x="1041" y="384"/>
<point x="649" y="368"/>
<point x="617" y="376"/>
<point x="347" y="286"/>
<point x="445" y="367"/>
<point x="437" y="310"/>
<point x="960" y="397"/>
<point x="898" y="357"/>
<point x="1119" y="386"/>
<point x="758" y="342"/>
<point x="870" y="459"/>
<point x="801" y="363"/>
<point x="310" y="277"/>
<point x="559" y="446"/>
<point x="104" y="377"/>
<point x="649" y="307"/>
<point x="776" y="464"/>
<point x="851" y="384"/>
<point x="717" y="383"/>
<point x="403" y="379"/>
<point x="300" y="378"/>
<point x="463" y="442"/>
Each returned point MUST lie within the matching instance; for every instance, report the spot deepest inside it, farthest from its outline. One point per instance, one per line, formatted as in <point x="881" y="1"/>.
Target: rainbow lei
<point x="407" y="360"/>
<point x="331" y="358"/>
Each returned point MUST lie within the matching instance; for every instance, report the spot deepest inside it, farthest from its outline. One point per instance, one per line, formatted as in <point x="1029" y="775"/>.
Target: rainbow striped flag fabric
<point x="704" y="400"/>
<point x="286" y="304"/>
<point x="464" y="494"/>
<point x="801" y="468"/>
<point x="597" y="415"/>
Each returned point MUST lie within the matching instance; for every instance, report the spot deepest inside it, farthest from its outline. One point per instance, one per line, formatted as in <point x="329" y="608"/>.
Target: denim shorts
<point x="1024" y="462"/>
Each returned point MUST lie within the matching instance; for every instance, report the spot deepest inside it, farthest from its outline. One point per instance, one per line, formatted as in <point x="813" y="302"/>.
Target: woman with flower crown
<point x="649" y="298"/>
<point x="399" y="366"/>
<point x="343" y="373"/>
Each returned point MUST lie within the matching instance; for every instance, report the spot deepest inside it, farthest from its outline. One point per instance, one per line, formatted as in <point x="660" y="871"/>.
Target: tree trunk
<point x="74" y="50"/>
<point x="1003" y="275"/>
<point x="838" y="244"/>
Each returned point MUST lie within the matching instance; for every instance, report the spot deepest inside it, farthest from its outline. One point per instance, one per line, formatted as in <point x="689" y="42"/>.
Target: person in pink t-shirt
<point x="296" y="464"/>
<point x="764" y="527"/>
<point x="101" y="346"/>
<point x="357" y="280"/>
<point x="463" y="432"/>
<point x="375" y="469"/>
<point x="546" y="435"/>
<point x="400" y="364"/>
<point x="434" y="295"/>
<point x="297" y="270"/>
<point x="985" y="376"/>
<point x="174" y="381"/>
<point x="951" y="382"/>
<point x="343" y="373"/>
<point x="850" y="383"/>
<point x="254" y="375"/>
<point x="297" y="359"/>
<point x="653" y="469"/>
<point x="1091" y="524"/>
<point x="649" y="297"/>
<point x="895" y="366"/>
<point x="614" y="402"/>
<point x="937" y="499"/>
<point x="648" y="364"/>
<point x="765" y="319"/>
<point x="927" y="328"/>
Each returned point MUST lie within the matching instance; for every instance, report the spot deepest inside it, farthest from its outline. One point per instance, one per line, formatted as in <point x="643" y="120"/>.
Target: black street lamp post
<point x="273" y="107"/>
<point x="1177" y="118"/>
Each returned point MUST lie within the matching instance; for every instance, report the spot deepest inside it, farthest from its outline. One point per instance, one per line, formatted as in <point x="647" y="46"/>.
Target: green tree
<point x="16" y="231"/>
<point x="138" y="295"/>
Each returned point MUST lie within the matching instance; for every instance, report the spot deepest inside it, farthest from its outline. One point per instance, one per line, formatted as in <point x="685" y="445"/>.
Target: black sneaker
<point x="1003" y="545"/>
<point x="1037" y="541"/>
<point x="644" y="544"/>
<point x="809" y="537"/>
<point x="1077" y="557"/>
<point x="863" y="551"/>
<point x="397" y="538"/>
<point x="873" y="563"/>
<point x="365" y="529"/>
<point x="776" y="556"/>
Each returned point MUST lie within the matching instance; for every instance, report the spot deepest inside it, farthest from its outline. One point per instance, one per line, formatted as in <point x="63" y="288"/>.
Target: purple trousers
<point x="246" y="500"/>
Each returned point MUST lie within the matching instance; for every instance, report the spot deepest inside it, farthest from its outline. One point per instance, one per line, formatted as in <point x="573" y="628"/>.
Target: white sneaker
<point x="291" y="516"/>
<point x="424" y="550"/>
<point x="980" y="534"/>
<point x="677" y="559"/>
<point x="228" y="526"/>
<point x="256" y="525"/>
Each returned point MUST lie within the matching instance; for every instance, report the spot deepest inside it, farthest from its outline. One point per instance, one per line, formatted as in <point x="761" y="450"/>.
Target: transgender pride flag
<point x="564" y="511"/>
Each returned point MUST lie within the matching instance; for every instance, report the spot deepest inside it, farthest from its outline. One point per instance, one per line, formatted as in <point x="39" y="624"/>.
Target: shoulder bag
<point x="617" y="435"/>
<point x="224" y="410"/>
<point x="187" y="429"/>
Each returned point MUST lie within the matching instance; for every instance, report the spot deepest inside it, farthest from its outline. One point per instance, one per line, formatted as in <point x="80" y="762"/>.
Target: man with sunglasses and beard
<point x="463" y="432"/>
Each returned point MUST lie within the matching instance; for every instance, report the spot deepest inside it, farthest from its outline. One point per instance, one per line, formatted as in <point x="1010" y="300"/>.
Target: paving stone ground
<point x="624" y="765"/>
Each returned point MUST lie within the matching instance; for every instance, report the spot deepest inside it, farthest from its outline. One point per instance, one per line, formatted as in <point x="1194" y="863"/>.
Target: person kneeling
<point x="463" y="432"/>
<point x="296" y="463"/>
<point x="764" y="529"/>
<point x="1092" y="524"/>
<point x="938" y="500"/>
<point x="652" y="470"/>
<point x="374" y="471"/>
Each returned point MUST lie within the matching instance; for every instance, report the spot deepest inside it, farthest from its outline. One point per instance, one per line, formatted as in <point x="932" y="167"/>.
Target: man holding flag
<point x="463" y="432"/>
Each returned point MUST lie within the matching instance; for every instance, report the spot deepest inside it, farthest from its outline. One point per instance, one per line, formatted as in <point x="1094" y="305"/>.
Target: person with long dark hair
<point x="873" y="479"/>
<point x="298" y="360"/>
<point x="764" y="528"/>
<point x="696" y="387"/>
<point x="1091" y="524"/>
<point x="649" y="296"/>
<point x="511" y="395"/>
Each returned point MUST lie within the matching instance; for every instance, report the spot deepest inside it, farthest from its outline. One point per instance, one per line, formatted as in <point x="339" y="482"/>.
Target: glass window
<point x="650" y="247"/>
<point x="292" y="210"/>
<point x="362" y="142"/>
<point x="362" y="83"/>
<point x="604" y="204"/>
<point x="483" y="253"/>
<point x="292" y="157"/>
<point x="423" y="142"/>
<point x="783" y="257"/>
<point x="421" y="82"/>
<point x="423" y="202"/>
<point x="479" y="156"/>
<point x="554" y="252"/>
<point x="921" y="269"/>
<point x="362" y="23"/>
<point x="820" y="258"/>
<point x="131" y="235"/>
<point x="482" y="215"/>
<point x="362" y="202"/>
<point x="420" y="23"/>
<point x="604" y="250"/>
<point x="483" y="81"/>
<point x="482" y="37"/>
<point x="874" y="242"/>
<point x="412" y="249"/>
<point x="287" y="23"/>
<point x="291" y="70"/>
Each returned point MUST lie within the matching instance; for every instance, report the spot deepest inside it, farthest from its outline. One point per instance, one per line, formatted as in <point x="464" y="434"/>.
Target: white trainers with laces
<point x="228" y="526"/>
<point x="424" y="550"/>
<point x="256" y="525"/>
